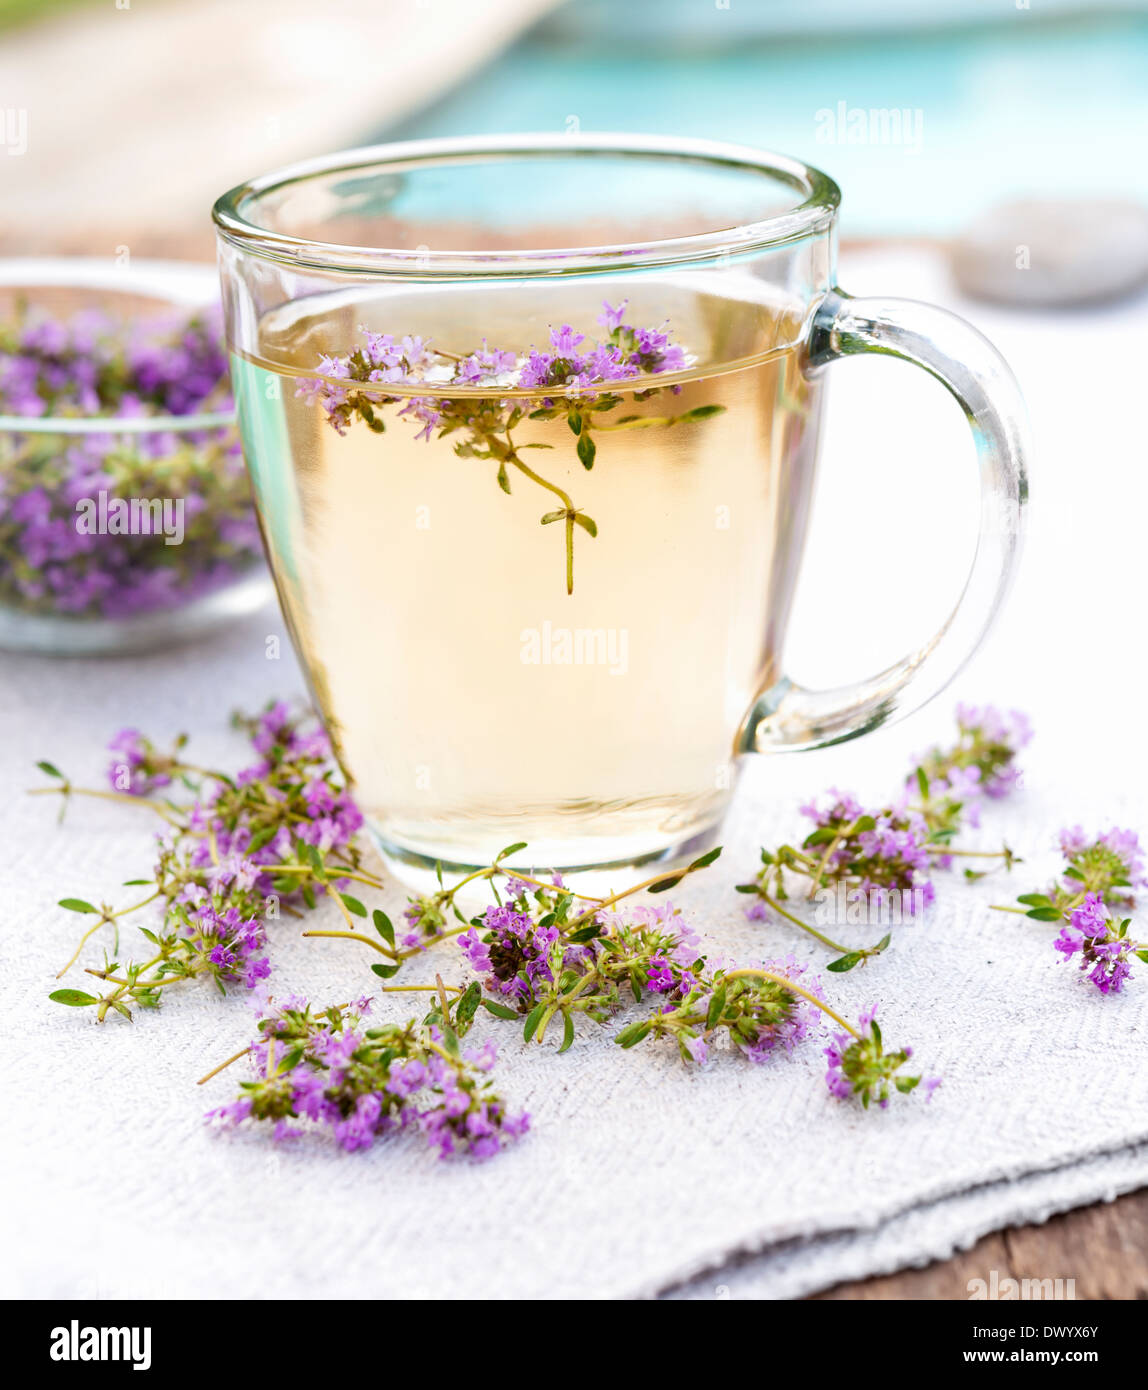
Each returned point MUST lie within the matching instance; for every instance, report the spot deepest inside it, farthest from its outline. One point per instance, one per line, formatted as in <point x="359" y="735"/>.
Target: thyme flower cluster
<point x="548" y="963"/>
<point x="880" y="860"/>
<point x="860" y="1066"/>
<point x="568" y="379"/>
<point x="1089" y="900"/>
<point x="241" y="852"/>
<point x="238" y="853"/>
<point x="92" y="365"/>
<point x="360" y="1083"/>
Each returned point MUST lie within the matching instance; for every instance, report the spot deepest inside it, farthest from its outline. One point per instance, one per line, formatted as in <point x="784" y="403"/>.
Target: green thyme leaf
<point x="467" y="1006"/>
<point x="717" y="1006"/>
<point x="664" y="885"/>
<point x="498" y="1010"/>
<point x="633" y="1034"/>
<point x="533" y="1019"/>
<point x="821" y="836"/>
<point x="705" y="861"/>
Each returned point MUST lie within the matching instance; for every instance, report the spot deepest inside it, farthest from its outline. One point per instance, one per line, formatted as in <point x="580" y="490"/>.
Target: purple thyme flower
<point x="1091" y="917"/>
<point x="231" y="943"/>
<point x="565" y="341"/>
<point x="1068" y="942"/>
<point x="879" y="851"/>
<point x="516" y="951"/>
<point x="485" y="367"/>
<point x="992" y="738"/>
<point x="786" y="1027"/>
<point x="476" y="951"/>
<point x="860" y="1066"/>
<point x="835" y="1074"/>
<point x="231" y="1115"/>
<point x="611" y="317"/>
<point x="659" y="977"/>
<point x="139" y="769"/>
<point x="1103" y="945"/>
<point x="1105" y="865"/>
<point x="537" y="370"/>
<point x="842" y="809"/>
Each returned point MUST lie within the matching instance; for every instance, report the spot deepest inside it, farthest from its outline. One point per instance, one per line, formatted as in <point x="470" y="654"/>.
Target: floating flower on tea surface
<point x="572" y="378"/>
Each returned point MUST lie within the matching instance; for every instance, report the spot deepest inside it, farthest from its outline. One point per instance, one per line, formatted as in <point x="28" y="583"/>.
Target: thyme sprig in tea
<point x="568" y="378"/>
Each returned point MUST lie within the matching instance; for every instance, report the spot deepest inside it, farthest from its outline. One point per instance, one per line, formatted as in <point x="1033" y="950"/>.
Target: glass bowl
<point x="126" y="520"/>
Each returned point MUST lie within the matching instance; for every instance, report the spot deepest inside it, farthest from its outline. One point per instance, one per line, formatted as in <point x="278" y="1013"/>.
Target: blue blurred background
<point x="137" y="118"/>
<point x="1001" y="101"/>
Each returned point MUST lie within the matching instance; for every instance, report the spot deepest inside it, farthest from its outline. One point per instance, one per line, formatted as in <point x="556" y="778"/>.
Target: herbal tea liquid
<point x="472" y="700"/>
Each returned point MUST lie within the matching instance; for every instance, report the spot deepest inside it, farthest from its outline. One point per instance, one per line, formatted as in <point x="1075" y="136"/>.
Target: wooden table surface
<point x="1104" y="1248"/>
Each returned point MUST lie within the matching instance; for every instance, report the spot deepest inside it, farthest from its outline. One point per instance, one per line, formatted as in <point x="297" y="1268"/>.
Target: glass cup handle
<point x="788" y="717"/>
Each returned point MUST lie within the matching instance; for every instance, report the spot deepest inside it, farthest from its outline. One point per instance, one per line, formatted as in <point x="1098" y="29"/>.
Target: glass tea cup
<point x="532" y="424"/>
